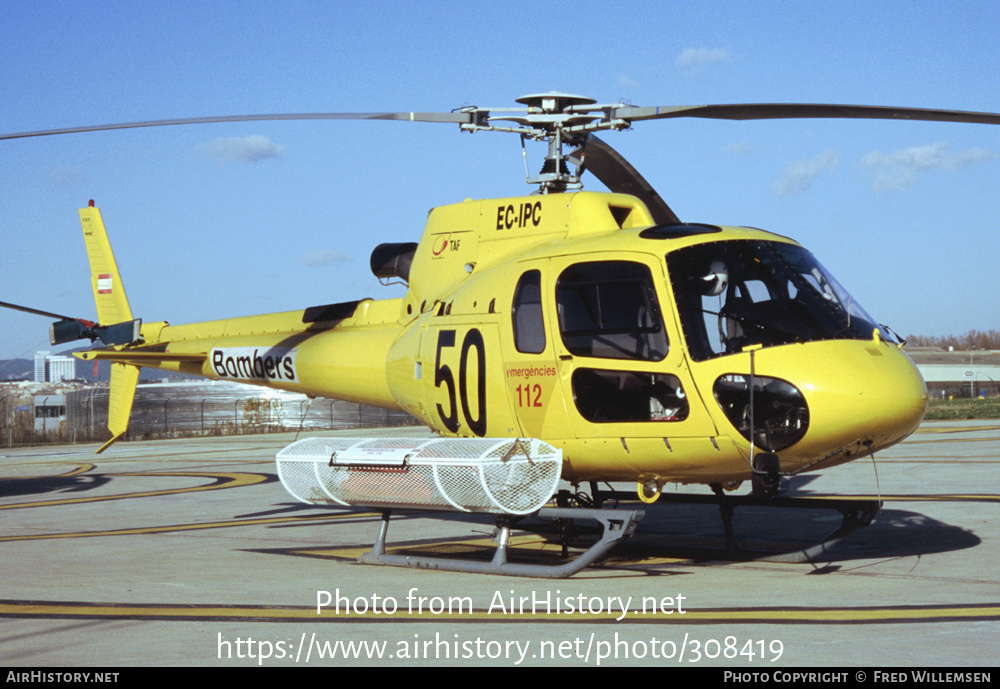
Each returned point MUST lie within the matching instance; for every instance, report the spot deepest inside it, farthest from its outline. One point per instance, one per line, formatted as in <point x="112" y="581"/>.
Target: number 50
<point x="443" y="374"/>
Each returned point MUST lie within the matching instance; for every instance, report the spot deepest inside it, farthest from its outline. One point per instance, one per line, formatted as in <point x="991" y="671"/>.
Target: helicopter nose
<point x="821" y="403"/>
<point x="868" y="397"/>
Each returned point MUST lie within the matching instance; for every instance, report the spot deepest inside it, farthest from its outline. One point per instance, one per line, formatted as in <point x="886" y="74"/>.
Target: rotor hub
<point x="553" y="101"/>
<point x="558" y="118"/>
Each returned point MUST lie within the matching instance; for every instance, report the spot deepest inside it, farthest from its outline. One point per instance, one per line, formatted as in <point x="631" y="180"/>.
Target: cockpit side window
<point x="609" y="309"/>
<point x="529" y="328"/>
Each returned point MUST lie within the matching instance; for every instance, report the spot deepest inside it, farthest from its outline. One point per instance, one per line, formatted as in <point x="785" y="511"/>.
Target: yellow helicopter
<point x="633" y="346"/>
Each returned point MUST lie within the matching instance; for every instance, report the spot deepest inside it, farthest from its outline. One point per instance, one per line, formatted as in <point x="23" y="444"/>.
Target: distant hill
<point x="17" y="369"/>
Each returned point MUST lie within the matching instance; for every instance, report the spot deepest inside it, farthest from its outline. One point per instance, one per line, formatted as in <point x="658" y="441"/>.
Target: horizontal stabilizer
<point x="138" y="357"/>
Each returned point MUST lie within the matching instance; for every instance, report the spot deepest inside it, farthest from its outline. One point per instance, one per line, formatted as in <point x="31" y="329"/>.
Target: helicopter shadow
<point x="895" y="532"/>
<point x="763" y="532"/>
<point x="39" y="485"/>
<point x="686" y="531"/>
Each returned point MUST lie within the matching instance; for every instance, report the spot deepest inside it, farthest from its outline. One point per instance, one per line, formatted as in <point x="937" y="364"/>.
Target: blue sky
<point x="212" y="221"/>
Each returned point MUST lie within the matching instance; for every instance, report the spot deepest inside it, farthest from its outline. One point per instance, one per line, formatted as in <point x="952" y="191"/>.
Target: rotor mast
<point x="561" y="119"/>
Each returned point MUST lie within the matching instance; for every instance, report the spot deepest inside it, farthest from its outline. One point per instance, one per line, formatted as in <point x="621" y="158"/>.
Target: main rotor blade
<point x="775" y="111"/>
<point x="617" y="174"/>
<point x="745" y="111"/>
<point x="37" y="312"/>
<point x="447" y="117"/>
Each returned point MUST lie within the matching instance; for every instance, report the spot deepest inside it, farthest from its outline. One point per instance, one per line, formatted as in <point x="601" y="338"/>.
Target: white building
<point x="54" y="369"/>
<point x="973" y="373"/>
<point x="61" y="368"/>
<point x="50" y="413"/>
<point x="40" y="358"/>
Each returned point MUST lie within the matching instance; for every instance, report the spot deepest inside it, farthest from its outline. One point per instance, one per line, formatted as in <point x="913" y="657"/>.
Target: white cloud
<point x="320" y="258"/>
<point x="740" y="148"/>
<point x="798" y="176"/>
<point x="898" y="170"/>
<point x="66" y="174"/>
<point x="247" y="149"/>
<point x="699" y="58"/>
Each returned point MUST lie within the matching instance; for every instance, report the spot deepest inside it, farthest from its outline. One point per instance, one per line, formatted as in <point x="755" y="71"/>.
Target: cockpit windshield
<point x="732" y="294"/>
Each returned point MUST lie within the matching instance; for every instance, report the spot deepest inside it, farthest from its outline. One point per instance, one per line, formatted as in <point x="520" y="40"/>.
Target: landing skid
<point x="620" y="523"/>
<point x="855" y="513"/>
<point x="617" y="525"/>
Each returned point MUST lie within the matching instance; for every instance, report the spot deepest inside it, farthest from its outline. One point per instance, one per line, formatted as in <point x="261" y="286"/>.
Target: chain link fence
<point x="198" y="409"/>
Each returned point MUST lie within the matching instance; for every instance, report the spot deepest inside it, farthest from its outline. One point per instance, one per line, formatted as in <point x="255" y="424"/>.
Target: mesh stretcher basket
<point x="491" y="475"/>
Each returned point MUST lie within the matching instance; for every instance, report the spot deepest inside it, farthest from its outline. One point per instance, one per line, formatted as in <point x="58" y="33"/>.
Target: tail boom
<point x="342" y="360"/>
<point x="337" y="350"/>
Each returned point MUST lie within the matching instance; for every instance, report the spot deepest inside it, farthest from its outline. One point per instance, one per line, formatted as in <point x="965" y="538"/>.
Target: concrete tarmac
<point x="189" y="552"/>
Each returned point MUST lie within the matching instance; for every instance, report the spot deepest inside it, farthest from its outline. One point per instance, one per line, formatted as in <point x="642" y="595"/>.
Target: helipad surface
<point x="189" y="552"/>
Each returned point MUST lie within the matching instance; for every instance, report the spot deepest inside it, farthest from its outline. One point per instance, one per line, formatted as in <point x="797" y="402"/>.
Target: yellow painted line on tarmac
<point x="526" y="545"/>
<point x="408" y="611"/>
<point x="75" y="471"/>
<point x="525" y="548"/>
<point x="942" y="497"/>
<point x="950" y="460"/>
<point x="955" y="429"/>
<point x="80" y="469"/>
<point x="170" y="528"/>
<point x="220" y="480"/>
<point x="953" y="440"/>
<point x="926" y="497"/>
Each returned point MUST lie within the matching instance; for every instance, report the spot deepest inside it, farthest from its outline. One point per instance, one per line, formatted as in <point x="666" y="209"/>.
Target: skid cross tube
<point x="617" y="525"/>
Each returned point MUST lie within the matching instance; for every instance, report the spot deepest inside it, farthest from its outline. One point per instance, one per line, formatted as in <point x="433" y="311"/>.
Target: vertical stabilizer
<point x="124" y="378"/>
<point x="112" y="308"/>
<point x="109" y="293"/>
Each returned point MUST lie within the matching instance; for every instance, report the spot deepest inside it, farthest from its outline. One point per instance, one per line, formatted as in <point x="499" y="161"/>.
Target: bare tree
<point x="974" y="339"/>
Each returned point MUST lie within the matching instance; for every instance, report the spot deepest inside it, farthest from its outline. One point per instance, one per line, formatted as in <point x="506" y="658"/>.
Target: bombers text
<point x="255" y="363"/>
